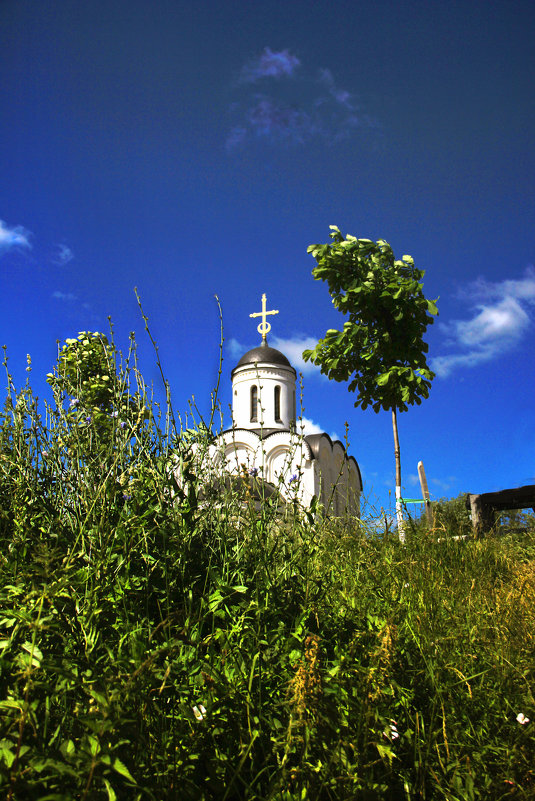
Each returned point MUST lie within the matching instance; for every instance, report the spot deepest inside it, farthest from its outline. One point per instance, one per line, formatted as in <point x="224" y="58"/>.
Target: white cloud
<point x="234" y="348"/>
<point x="294" y="111"/>
<point x="505" y="322"/>
<point x="443" y="366"/>
<point x="444" y="485"/>
<point x="274" y="119"/>
<point x="308" y="426"/>
<point x="63" y="255"/>
<point x="293" y="350"/>
<point x="340" y="95"/>
<point x="17" y="237"/>
<point x="523" y="289"/>
<point x="64" y="296"/>
<point x="270" y="64"/>
<point x="495" y="327"/>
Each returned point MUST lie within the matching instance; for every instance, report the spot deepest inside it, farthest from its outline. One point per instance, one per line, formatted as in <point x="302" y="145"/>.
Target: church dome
<point x="261" y="354"/>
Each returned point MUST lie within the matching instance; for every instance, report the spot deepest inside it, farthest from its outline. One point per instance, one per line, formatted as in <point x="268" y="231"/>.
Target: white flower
<point x="199" y="712"/>
<point x="522" y="719"/>
<point x="394" y="733"/>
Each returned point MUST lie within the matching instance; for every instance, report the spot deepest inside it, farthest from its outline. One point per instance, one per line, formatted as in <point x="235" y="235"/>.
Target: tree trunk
<point x="399" y="507"/>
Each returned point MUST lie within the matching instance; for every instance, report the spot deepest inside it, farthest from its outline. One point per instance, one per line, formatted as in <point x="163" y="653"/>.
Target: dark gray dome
<point x="263" y="353"/>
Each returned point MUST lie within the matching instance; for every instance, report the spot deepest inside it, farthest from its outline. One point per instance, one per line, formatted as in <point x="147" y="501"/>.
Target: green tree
<point x="380" y="349"/>
<point x="92" y="390"/>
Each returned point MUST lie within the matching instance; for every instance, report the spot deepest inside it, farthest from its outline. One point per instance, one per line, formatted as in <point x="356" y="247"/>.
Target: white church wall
<point x="354" y="488"/>
<point x="324" y="458"/>
<point x="283" y="459"/>
<point x="266" y="379"/>
<point x="338" y="478"/>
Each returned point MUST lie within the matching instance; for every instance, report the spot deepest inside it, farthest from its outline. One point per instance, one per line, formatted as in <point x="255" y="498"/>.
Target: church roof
<point x="263" y="353"/>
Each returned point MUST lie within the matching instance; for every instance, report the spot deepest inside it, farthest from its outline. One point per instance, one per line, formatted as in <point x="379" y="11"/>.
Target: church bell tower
<point x="263" y="385"/>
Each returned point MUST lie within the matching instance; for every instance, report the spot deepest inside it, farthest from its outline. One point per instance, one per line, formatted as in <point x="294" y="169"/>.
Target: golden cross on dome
<point x="264" y="328"/>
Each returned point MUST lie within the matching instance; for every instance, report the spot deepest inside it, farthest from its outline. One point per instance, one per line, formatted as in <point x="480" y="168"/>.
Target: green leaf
<point x="112" y="796"/>
<point x="33" y="652"/>
<point x="9" y="704"/>
<point x="67" y="748"/>
<point x="121" y="768"/>
<point x="6" y="755"/>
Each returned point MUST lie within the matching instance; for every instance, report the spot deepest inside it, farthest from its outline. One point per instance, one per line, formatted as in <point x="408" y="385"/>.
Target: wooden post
<point x="477" y="514"/>
<point x="425" y="492"/>
<point x="482" y="514"/>
<point x="399" y="505"/>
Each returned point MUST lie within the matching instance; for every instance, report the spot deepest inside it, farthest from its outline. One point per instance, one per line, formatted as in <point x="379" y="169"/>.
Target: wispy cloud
<point x="444" y="485"/>
<point x="16" y="237"/>
<point x="67" y="297"/>
<point x="234" y="349"/>
<point x="270" y="64"/>
<point x="274" y="120"/>
<point x="63" y="255"/>
<point x="341" y="96"/>
<point x="304" y="106"/>
<point x="520" y="288"/>
<point x="293" y="350"/>
<point x="500" y="319"/>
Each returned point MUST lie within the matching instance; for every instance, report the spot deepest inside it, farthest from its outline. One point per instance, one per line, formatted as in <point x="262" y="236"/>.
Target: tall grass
<point x="159" y="643"/>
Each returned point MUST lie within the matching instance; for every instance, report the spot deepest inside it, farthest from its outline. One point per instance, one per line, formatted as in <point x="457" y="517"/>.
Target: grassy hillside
<point x="156" y="645"/>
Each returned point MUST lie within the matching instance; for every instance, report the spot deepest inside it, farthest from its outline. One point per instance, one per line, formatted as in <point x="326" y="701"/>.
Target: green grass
<point x="154" y="645"/>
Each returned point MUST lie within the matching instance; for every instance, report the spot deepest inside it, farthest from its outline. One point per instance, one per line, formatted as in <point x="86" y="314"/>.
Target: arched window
<point x="254" y="404"/>
<point x="278" y="404"/>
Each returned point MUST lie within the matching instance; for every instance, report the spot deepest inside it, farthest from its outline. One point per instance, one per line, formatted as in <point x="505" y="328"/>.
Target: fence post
<point x="425" y="492"/>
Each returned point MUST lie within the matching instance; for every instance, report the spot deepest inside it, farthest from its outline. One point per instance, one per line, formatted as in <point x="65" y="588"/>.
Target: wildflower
<point x="293" y="478"/>
<point x="88" y="418"/>
<point x="114" y="414"/>
<point x="253" y="471"/>
<point x="45" y="454"/>
<point x="127" y="497"/>
<point x="122" y="424"/>
<point x="73" y="402"/>
<point x="394" y="734"/>
<point x="199" y="712"/>
<point x="522" y="719"/>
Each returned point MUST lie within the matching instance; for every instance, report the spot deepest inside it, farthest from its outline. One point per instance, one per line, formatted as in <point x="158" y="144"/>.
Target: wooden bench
<point x="483" y="506"/>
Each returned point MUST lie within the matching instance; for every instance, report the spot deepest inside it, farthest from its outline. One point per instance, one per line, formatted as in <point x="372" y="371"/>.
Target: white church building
<point x="266" y="439"/>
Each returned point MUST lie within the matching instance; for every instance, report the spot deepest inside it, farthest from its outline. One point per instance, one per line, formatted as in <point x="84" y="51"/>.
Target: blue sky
<point x="193" y="149"/>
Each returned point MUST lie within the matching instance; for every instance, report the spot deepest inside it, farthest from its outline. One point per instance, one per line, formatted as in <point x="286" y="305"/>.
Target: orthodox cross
<point x="264" y="328"/>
